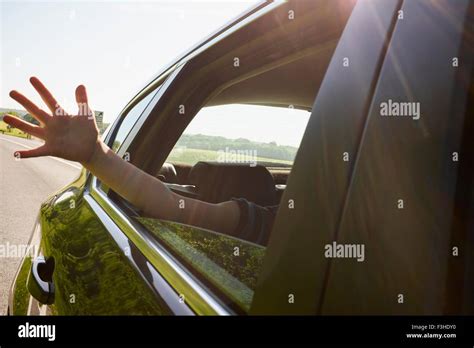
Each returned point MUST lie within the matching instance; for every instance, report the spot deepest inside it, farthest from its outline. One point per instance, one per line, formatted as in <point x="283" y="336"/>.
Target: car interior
<point x="264" y="183"/>
<point x="216" y="182"/>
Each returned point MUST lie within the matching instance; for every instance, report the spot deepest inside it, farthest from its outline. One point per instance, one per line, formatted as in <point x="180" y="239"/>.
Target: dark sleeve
<point x="256" y="222"/>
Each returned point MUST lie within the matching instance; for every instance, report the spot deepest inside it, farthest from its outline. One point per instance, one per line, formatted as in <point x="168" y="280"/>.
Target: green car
<point x="367" y="110"/>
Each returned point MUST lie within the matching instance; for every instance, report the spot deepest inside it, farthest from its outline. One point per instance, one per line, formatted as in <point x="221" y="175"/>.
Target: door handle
<point x="40" y="281"/>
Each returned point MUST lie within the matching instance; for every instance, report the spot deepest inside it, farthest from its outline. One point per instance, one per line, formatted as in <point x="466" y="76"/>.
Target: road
<point x="24" y="184"/>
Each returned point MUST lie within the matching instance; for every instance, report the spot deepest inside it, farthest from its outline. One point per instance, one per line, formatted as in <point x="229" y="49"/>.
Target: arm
<point x="76" y="138"/>
<point x="155" y="199"/>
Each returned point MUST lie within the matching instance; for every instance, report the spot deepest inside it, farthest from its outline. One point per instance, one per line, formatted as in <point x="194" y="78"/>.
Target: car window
<point x="229" y="135"/>
<point x="129" y="121"/>
<point x="124" y="126"/>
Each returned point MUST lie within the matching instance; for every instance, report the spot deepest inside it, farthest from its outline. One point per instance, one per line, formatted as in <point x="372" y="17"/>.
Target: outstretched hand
<point x="72" y="137"/>
<point x="76" y="138"/>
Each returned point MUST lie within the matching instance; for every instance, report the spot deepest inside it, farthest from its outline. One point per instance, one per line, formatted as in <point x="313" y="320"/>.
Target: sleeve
<point x="256" y="222"/>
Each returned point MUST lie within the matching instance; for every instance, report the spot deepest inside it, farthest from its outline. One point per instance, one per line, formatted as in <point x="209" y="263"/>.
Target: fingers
<point x="81" y="94"/>
<point x="39" y="114"/>
<point x="47" y="97"/>
<point x="82" y="103"/>
<point x="24" y="126"/>
<point x="38" y="152"/>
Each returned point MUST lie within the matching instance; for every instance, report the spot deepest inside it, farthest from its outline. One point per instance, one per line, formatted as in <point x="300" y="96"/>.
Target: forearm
<point x="156" y="200"/>
<point x="139" y="188"/>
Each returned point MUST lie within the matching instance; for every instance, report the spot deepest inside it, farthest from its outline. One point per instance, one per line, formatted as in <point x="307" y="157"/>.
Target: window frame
<point x="157" y="86"/>
<point x="153" y="87"/>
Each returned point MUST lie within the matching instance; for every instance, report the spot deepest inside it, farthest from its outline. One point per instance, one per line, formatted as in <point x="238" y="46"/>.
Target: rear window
<point x="239" y="133"/>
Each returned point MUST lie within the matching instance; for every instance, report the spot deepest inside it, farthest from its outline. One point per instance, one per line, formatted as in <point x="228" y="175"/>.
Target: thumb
<point x="38" y="152"/>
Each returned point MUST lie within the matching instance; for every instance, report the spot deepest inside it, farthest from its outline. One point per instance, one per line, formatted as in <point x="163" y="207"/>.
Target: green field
<point x="192" y="156"/>
<point x="13" y="131"/>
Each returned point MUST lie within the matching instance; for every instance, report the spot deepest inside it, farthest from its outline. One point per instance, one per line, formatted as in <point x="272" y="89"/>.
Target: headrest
<point x="167" y="173"/>
<point x="218" y="182"/>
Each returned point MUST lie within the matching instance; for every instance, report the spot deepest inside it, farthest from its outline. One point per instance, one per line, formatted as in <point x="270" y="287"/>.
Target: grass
<point x="13" y="131"/>
<point x="192" y="156"/>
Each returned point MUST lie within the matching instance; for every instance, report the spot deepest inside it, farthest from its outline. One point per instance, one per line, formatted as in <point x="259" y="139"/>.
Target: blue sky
<point x="111" y="47"/>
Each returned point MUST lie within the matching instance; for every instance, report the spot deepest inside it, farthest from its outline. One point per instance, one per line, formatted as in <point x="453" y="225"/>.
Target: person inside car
<point x="76" y="138"/>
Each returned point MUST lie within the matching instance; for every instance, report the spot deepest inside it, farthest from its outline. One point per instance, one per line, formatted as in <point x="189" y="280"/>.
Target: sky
<point x="114" y="48"/>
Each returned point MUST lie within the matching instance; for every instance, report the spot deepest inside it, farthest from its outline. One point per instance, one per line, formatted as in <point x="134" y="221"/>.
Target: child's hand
<point x="72" y="137"/>
<point x="76" y="138"/>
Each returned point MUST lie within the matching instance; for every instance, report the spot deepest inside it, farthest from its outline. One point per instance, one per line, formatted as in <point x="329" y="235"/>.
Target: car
<point x="375" y="195"/>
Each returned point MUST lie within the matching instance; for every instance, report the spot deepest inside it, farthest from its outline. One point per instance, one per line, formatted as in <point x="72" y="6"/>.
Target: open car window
<point x="236" y="151"/>
<point x="229" y="136"/>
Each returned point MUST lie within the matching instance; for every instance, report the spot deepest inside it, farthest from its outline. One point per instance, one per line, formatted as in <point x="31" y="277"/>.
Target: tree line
<point x="216" y="143"/>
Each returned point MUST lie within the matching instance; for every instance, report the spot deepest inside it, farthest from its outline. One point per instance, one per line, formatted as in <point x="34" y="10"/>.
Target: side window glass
<point x="129" y="121"/>
<point x="229" y="265"/>
<point x="126" y="125"/>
